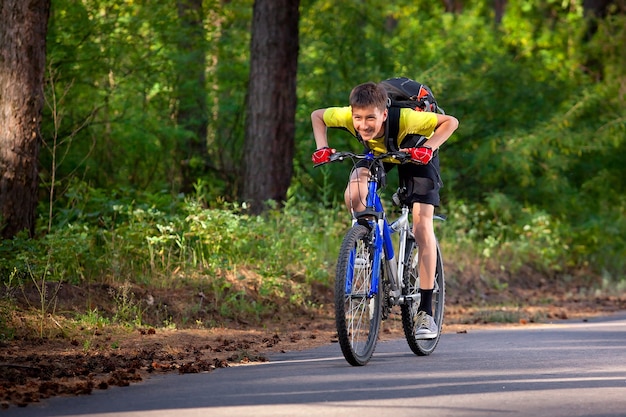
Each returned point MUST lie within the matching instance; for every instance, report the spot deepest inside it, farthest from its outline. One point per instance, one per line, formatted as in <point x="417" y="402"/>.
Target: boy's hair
<point x="369" y="94"/>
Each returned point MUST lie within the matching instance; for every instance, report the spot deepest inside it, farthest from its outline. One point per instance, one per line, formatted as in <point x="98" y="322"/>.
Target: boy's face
<point x="368" y="121"/>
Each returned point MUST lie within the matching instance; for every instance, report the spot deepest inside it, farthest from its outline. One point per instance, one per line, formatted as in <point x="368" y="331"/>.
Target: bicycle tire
<point x="409" y="309"/>
<point x="357" y="312"/>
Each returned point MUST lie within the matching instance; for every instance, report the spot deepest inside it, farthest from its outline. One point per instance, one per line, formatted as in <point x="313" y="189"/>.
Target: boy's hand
<point x="423" y="154"/>
<point x="322" y="155"/>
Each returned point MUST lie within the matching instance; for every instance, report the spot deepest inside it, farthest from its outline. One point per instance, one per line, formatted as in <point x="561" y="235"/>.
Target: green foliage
<point x="7" y="329"/>
<point x="541" y="114"/>
<point x="533" y="175"/>
<point x="7" y="305"/>
<point x="92" y="319"/>
<point x="503" y="231"/>
<point x="127" y="309"/>
<point x="115" y="64"/>
<point x="168" y="242"/>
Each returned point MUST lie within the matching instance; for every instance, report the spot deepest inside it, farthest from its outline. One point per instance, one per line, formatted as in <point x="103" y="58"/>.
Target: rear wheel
<point x="412" y="299"/>
<point x="357" y="304"/>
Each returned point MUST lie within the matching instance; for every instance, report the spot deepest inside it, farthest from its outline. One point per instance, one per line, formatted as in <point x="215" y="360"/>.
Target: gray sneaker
<point x="425" y="326"/>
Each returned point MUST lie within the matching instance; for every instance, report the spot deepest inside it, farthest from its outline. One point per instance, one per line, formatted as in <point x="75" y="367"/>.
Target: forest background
<point x="132" y="199"/>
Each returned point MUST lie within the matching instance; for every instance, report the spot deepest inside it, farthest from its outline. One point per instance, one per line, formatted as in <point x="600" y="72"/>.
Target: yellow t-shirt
<point x="411" y="123"/>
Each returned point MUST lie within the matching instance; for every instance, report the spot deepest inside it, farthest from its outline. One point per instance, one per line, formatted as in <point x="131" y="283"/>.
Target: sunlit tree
<point x="23" y="27"/>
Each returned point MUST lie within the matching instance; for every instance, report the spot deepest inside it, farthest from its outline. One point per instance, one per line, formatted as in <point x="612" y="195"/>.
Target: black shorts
<point x="419" y="183"/>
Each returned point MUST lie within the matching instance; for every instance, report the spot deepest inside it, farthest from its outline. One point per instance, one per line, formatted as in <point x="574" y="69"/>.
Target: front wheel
<point x="412" y="297"/>
<point x="357" y="304"/>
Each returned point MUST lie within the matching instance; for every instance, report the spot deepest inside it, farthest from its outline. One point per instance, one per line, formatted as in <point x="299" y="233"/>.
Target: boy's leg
<point x="355" y="195"/>
<point x="422" y="184"/>
<point x="427" y="255"/>
<point x="424" y="232"/>
<point x="425" y="237"/>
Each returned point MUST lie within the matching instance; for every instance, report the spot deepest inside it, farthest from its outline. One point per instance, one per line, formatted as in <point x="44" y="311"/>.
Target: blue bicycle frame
<point x="382" y="238"/>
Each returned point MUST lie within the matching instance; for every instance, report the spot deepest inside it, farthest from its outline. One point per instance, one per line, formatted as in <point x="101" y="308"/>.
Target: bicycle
<point x="370" y="280"/>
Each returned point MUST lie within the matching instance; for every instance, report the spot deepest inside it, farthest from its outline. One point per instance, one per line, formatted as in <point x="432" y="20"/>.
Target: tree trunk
<point x="23" y="27"/>
<point x="270" y="127"/>
<point x="453" y="6"/>
<point x="596" y="8"/>
<point x="498" y="9"/>
<point x="191" y="91"/>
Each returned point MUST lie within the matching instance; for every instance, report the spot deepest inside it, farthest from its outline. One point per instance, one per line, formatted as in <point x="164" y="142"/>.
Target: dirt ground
<point x="78" y="361"/>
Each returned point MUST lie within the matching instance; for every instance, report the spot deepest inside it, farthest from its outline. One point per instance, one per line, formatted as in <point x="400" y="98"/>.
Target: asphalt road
<point x="565" y="369"/>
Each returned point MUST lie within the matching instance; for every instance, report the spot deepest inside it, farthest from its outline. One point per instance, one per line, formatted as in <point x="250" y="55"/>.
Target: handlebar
<point x="401" y="157"/>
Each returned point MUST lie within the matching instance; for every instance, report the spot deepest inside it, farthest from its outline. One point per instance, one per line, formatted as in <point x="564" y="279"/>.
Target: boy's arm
<point x="446" y="125"/>
<point x="319" y="128"/>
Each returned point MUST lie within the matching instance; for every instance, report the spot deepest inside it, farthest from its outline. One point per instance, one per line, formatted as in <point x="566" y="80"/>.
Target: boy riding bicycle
<point x="366" y="119"/>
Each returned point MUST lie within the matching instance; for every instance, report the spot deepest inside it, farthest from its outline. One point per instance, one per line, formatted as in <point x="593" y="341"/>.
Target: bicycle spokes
<point x="357" y="300"/>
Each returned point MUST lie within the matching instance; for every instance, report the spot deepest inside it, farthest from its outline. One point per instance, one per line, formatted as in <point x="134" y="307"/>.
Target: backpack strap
<point x="392" y="128"/>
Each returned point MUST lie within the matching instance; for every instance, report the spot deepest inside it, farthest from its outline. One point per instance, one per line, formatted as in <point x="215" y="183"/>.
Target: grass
<point x="222" y="263"/>
<point x="179" y="262"/>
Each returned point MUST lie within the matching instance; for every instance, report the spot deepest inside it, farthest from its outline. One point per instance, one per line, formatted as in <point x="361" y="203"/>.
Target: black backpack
<point x="404" y="92"/>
